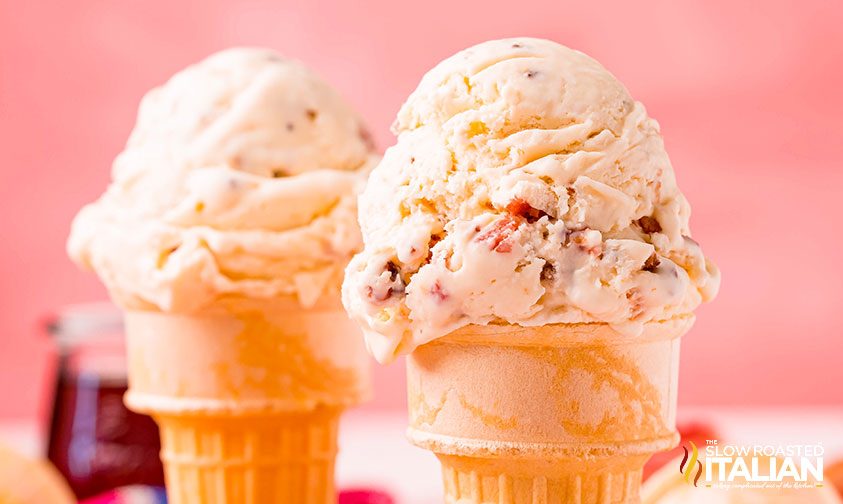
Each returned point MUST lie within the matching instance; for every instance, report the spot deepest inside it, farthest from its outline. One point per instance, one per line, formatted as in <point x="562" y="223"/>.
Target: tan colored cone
<point x="247" y="397"/>
<point x="558" y="414"/>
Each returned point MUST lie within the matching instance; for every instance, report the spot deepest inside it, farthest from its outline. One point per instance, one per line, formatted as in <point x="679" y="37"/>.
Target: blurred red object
<point x="698" y="432"/>
<point x="130" y="495"/>
<point x="364" y="496"/>
<point x="95" y="441"/>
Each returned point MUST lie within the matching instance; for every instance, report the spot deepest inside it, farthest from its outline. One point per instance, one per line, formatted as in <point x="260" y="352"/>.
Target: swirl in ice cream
<point x="526" y="187"/>
<point x="239" y="179"/>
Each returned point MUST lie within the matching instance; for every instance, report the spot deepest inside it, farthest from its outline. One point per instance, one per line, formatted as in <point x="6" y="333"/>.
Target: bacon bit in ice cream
<point x="649" y="225"/>
<point x="434" y="239"/>
<point x="499" y="235"/>
<point x="438" y="292"/>
<point x="394" y="271"/>
<point x="521" y="208"/>
<point x="279" y="172"/>
<point x="636" y="302"/>
<point x="370" y="293"/>
<point x="530" y="74"/>
<point x="651" y="263"/>
<point x="379" y="297"/>
<point x="579" y="239"/>
<point x="311" y="114"/>
<point x="548" y="272"/>
<point x="383" y="289"/>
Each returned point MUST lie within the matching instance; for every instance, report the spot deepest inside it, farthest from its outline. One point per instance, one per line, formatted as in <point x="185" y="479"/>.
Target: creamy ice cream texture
<point x="526" y="187"/>
<point x="239" y="179"/>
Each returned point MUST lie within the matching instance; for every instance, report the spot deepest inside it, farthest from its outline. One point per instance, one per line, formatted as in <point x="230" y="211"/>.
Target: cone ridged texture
<point x="275" y="458"/>
<point x="247" y="398"/>
<point x="481" y="481"/>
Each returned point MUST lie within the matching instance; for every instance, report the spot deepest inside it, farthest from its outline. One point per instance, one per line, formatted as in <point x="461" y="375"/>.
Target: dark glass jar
<point x="95" y="442"/>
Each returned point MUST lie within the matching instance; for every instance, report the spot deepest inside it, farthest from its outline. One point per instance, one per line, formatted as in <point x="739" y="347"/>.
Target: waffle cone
<point x="564" y="413"/>
<point x="247" y="397"/>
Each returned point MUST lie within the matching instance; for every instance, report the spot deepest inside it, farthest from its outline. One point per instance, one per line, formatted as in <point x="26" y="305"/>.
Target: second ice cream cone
<point x="223" y="234"/>
<point x="248" y="397"/>
<point x="554" y="414"/>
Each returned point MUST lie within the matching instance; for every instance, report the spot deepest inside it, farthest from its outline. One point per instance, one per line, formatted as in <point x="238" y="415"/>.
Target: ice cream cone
<point x="248" y="397"/>
<point x="554" y="414"/>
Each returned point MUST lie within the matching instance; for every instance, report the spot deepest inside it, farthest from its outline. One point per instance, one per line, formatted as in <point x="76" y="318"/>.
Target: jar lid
<point x="76" y="324"/>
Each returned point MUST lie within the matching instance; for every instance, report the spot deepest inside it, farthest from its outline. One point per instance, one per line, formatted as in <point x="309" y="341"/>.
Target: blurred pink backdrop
<point x="749" y="99"/>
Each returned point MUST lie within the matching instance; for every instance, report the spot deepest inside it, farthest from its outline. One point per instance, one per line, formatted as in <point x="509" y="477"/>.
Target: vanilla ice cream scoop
<point x="239" y="179"/>
<point x="526" y="187"/>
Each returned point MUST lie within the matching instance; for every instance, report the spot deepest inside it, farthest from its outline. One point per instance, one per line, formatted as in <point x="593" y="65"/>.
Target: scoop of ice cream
<point x="239" y="178"/>
<point x="526" y="187"/>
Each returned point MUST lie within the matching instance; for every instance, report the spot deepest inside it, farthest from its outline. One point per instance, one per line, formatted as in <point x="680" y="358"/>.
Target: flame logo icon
<point x="686" y="473"/>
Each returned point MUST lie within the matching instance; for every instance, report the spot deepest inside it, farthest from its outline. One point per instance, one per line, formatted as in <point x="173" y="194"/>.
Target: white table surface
<point x="375" y="454"/>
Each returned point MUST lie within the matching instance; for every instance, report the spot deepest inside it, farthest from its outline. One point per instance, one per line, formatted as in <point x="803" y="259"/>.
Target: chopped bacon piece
<point x="521" y="208"/>
<point x="438" y="292"/>
<point x="649" y="225"/>
<point x="499" y="235"/>
<point x="636" y="302"/>
<point x="651" y="263"/>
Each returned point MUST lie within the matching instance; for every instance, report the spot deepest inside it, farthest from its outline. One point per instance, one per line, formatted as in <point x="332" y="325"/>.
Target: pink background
<point x="749" y="99"/>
